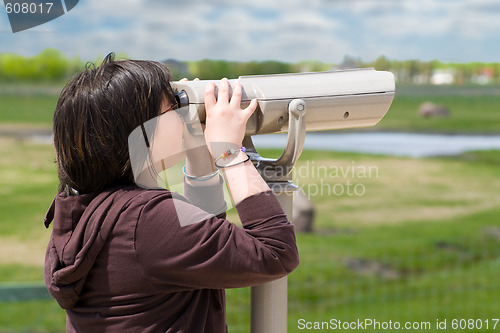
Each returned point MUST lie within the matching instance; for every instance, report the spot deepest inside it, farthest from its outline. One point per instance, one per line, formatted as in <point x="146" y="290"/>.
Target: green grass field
<point x="420" y="244"/>
<point x="468" y="114"/>
<point x="472" y="109"/>
<point x="397" y="239"/>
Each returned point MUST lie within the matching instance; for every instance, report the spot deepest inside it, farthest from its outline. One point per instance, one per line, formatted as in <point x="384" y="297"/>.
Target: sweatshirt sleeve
<point x="208" y="198"/>
<point x="211" y="252"/>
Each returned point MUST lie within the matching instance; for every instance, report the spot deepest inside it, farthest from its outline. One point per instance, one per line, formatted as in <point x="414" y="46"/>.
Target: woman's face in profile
<point x="167" y="143"/>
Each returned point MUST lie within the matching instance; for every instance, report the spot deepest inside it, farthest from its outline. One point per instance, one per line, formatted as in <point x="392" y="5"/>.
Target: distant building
<point x="484" y="76"/>
<point x="443" y="76"/>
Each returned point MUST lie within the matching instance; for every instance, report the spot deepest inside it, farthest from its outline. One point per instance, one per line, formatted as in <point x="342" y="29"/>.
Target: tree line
<point x="51" y="65"/>
<point x="48" y="65"/>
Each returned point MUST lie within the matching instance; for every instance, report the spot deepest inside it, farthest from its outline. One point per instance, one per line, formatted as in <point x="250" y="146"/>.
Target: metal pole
<point x="269" y="307"/>
<point x="269" y="300"/>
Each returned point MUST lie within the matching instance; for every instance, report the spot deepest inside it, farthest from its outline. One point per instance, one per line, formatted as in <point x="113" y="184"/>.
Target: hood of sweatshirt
<point x="81" y="226"/>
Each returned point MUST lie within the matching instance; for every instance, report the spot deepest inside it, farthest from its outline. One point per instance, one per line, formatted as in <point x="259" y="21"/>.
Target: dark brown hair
<point x="96" y="112"/>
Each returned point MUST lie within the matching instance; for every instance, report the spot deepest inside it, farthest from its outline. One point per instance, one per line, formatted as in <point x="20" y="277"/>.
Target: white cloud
<point x="288" y="30"/>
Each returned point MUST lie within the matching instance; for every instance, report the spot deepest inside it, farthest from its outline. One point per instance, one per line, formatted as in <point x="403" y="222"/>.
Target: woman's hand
<point x="198" y="160"/>
<point x="226" y="120"/>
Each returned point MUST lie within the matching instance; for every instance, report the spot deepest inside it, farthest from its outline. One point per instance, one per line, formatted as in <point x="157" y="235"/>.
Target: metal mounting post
<point x="269" y="301"/>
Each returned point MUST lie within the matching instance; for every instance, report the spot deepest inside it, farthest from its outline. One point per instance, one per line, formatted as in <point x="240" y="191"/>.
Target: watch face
<point x="26" y="14"/>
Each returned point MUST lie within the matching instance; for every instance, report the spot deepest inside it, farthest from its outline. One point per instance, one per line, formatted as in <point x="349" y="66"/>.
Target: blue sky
<point x="284" y="30"/>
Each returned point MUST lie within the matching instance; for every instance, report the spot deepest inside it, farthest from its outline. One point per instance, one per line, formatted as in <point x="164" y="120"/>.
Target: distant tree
<point x="272" y="67"/>
<point x="311" y="66"/>
<point x="52" y="65"/>
<point x="215" y="69"/>
<point x="178" y="69"/>
<point x="496" y="72"/>
<point x="210" y="69"/>
<point x="382" y="64"/>
<point x="10" y="66"/>
<point x="48" y="65"/>
<point x="413" y="67"/>
<point x="351" y="62"/>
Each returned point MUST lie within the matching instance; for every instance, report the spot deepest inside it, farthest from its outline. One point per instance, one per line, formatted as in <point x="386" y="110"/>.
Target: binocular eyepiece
<point x="182" y="100"/>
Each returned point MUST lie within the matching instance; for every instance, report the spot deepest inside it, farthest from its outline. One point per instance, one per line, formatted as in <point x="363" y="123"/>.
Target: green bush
<point x="48" y="65"/>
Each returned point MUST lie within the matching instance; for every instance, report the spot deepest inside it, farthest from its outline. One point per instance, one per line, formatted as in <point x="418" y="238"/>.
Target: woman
<point x="120" y="259"/>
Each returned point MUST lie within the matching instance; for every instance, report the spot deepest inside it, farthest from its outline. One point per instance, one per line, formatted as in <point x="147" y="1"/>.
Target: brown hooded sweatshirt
<point x="121" y="260"/>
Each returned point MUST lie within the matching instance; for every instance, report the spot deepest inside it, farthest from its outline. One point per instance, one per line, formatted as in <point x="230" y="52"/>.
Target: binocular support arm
<point x="279" y="170"/>
<point x="269" y="301"/>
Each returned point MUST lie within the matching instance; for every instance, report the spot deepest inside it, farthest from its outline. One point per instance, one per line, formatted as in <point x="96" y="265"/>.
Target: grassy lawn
<point x="419" y="243"/>
<point x="396" y="239"/>
<point x="32" y="109"/>
<point x="472" y="109"/>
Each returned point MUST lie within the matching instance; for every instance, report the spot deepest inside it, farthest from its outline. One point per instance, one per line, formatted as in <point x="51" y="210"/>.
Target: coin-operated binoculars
<point x="294" y="103"/>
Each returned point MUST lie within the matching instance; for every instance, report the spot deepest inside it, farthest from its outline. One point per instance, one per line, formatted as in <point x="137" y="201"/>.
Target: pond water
<point x="394" y="144"/>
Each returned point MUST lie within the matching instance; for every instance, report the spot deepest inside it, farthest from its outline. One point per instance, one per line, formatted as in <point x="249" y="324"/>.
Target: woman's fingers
<point x="210" y="95"/>
<point x="224" y="99"/>
<point x="236" y="97"/>
<point x="250" y="109"/>
<point x="223" y="95"/>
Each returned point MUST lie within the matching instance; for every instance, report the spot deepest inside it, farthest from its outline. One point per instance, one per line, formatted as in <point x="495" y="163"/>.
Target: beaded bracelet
<point x="230" y="152"/>
<point x="202" y="178"/>
<point x="231" y="165"/>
